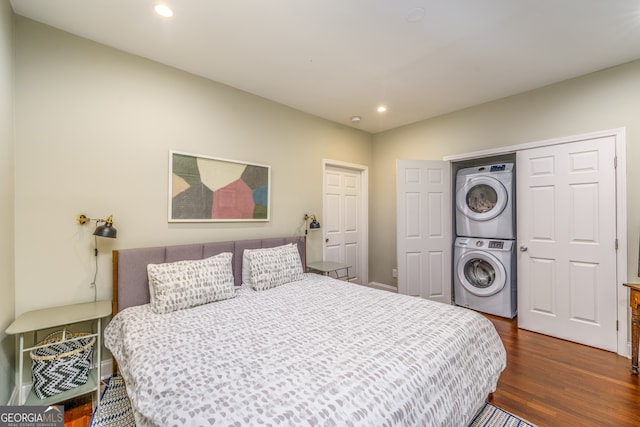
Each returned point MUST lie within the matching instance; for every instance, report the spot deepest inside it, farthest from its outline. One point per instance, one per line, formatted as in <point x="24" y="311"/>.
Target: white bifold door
<point x="566" y="211"/>
<point x="424" y="229"/>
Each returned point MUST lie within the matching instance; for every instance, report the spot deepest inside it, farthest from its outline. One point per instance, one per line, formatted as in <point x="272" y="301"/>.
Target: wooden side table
<point x="33" y="321"/>
<point x="340" y="270"/>
<point x="634" y="302"/>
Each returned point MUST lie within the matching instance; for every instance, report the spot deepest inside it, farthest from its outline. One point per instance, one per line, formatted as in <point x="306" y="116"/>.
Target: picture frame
<point x="212" y="189"/>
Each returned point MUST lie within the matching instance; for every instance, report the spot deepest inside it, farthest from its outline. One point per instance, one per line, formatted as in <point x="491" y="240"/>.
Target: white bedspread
<point x="316" y="352"/>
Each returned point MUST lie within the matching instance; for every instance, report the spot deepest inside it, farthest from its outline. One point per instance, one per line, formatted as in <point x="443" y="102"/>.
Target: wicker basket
<point x="61" y="365"/>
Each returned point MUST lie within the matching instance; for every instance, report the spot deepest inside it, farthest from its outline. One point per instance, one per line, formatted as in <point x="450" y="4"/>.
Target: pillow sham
<point x="271" y="267"/>
<point x="246" y="261"/>
<point x="184" y="284"/>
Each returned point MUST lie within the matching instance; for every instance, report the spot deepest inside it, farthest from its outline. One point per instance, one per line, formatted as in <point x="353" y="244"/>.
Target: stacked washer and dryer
<point x="484" y="249"/>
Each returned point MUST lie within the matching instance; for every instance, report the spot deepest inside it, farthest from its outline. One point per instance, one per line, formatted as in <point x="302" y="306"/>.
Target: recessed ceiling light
<point x="163" y="10"/>
<point x="382" y="109"/>
<point x="416" y="15"/>
<point x="356" y="119"/>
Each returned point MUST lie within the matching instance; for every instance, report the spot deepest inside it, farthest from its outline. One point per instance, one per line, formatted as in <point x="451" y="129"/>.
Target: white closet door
<point x="424" y="229"/>
<point x="566" y="197"/>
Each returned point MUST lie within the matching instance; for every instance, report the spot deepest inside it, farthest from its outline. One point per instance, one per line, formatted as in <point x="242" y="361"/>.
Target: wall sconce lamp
<point x="313" y="225"/>
<point x="105" y="230"/>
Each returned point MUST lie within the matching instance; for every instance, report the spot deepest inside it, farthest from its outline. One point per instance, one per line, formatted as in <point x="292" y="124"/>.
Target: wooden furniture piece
<point x="634" y="302"/>
<point x="340" y="270"/>
<point x="54" y="317"/>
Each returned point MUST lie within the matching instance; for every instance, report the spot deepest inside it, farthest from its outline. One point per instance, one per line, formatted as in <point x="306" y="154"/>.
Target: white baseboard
<point x="383" y="286"/>
<point x="106" y="368"/>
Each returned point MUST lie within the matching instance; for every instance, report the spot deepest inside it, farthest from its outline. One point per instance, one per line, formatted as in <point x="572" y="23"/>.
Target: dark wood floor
<point x="551" y="382"/>
<point x="548" y="381"/>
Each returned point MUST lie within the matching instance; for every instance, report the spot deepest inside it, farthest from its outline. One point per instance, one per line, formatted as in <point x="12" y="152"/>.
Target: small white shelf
<point x="48" y="318"/>
<point x="92" y="385"/>
<point x="340" y="270"/>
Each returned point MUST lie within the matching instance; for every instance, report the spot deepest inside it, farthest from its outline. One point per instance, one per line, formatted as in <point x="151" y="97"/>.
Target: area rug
<point x="115" y="408"/>
<point x="115" y="411"/>
<point x="492" y="416"/>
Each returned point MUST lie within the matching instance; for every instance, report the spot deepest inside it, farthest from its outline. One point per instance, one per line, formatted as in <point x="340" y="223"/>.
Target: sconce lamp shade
<point x="105" y="230"/>
<point x="314" y="225"/>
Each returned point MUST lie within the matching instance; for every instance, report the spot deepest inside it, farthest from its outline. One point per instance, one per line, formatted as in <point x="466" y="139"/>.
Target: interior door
<point x="424" y="229"/>
<point x="566" y="211"/>
<point x="342" y="216"/>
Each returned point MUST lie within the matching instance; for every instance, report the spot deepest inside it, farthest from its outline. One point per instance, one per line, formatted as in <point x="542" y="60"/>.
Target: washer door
<point x="481" y="198"/>
<point x="481" y="273"/>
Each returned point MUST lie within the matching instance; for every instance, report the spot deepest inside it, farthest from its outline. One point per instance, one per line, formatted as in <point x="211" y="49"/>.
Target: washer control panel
<point x="495" y="244"/>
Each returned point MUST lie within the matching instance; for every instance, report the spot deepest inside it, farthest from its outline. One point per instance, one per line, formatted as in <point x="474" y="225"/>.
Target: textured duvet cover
<point x="315" y="352"/>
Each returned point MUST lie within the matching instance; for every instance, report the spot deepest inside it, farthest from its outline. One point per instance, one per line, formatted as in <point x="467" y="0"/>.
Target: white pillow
<point x="183" y="284"/>
<point x="271" y="267"/>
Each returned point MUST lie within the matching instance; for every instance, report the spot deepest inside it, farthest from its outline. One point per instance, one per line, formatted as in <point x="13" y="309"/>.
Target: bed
<point x="312" y="351"/>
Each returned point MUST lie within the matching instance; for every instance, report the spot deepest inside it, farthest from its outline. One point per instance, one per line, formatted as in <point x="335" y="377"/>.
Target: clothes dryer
<point x="485" y="275"/>
<point x="484" y="201"/>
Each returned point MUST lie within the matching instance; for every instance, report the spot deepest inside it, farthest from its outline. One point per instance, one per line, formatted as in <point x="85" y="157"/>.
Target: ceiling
<point x="341" y="58"/>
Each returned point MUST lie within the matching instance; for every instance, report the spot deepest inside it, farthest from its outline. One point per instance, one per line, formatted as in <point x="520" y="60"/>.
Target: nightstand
<point x="340" y="270"/>
<point x="634" y="302"/>
<point x="34" y="321"/>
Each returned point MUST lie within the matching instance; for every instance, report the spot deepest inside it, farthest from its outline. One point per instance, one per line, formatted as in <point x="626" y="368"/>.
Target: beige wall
<point x="601" y="101"/>
<point x="93" y="130"/>
<point x="6" y="199"/>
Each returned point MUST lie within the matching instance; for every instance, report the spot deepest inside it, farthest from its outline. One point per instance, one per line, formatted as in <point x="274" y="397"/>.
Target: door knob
<point x="326" y="240"/>
<point x="523" y="248"/>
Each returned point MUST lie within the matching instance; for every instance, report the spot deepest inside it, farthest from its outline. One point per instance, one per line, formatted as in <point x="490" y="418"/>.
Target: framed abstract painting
<point x="209" y="189"/>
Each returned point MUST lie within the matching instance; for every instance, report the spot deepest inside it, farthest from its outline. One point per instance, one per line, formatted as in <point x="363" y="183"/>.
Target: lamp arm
<point x="83" y="219"/>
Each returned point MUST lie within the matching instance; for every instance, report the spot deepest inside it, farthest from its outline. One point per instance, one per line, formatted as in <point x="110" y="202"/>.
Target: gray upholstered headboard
<point x="130" y="283"/>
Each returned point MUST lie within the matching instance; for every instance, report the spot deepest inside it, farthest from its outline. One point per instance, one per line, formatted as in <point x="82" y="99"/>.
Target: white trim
<point x="364" y="209"/>
<point x="619" y="135"/>
<point x="624" y="345"/>
<point x="383" y="286"/>
<point x="106" y="368"/>
<point x="527" y="145"/>
<point x="14" y="397"/>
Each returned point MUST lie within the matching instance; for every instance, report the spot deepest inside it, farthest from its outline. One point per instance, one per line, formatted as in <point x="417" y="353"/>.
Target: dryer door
<point x="481" y="273"/>
<point x="481" y="198"/>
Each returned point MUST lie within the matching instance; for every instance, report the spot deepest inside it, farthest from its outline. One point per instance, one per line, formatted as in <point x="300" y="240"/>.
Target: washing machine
<point x="485" y="275"/>
<point x="484" y="201"/>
